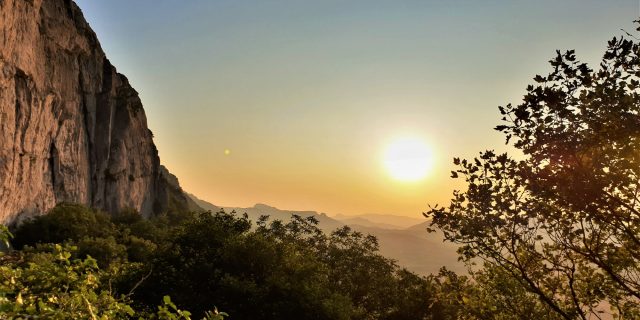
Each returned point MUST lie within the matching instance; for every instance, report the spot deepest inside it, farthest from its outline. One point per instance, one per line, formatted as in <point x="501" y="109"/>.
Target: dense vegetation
<point x="81" y="262"/>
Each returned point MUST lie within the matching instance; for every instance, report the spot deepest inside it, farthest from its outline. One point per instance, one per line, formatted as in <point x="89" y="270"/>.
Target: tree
<point x="252" y="275"/>
<point x="563" y="220"/>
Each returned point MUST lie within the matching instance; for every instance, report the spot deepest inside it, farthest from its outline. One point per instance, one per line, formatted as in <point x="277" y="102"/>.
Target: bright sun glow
<point x="408" y="159"/>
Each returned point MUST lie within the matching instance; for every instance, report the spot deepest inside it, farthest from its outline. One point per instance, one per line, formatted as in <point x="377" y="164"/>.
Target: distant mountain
<point x="325" y="223"/>
<point x="358" y="221"/>
<point x="387" y="221"/>
<point x="413" y="247"/>
<point x="203" y="204"/>
<point x="416" y="249"/>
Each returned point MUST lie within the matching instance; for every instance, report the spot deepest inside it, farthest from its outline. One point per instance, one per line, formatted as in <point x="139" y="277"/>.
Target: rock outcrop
<point x="72" y="129"/>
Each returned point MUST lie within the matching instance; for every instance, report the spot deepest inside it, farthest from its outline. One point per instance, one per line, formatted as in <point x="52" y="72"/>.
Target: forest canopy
<point x="125" y="265"/>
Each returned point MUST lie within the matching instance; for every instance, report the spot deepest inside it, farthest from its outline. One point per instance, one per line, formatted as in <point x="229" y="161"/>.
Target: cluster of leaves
<point x="48" y="284"/>
<point x="124" y="237"/>
<point x="562" y="223"/>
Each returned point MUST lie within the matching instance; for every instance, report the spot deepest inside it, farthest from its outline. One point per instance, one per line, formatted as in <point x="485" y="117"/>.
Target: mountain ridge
<point x="389" y="220"/>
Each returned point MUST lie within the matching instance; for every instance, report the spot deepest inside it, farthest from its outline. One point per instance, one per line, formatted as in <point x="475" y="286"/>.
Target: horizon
<point x="294" y="104"/>
<point x="337" y="216"/>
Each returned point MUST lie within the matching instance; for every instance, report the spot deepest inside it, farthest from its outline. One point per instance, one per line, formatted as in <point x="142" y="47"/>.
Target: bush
<point x="64" y="222"/>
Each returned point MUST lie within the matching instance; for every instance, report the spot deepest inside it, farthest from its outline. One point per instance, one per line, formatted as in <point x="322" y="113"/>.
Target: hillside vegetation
<point x="125" y="265"/>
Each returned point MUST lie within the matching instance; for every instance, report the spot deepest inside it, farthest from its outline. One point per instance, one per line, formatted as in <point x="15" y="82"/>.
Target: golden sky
<point x="292" y="103"/>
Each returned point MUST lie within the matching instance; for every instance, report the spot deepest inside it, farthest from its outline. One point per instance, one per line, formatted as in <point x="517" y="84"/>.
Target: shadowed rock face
<point x="72" y="129"/>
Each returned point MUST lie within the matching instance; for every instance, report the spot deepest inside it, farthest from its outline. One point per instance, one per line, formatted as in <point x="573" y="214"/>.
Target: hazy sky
<point x="307" y="94"/>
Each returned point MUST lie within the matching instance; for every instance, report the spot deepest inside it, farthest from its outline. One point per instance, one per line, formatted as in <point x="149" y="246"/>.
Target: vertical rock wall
<point x="72" y="129"/>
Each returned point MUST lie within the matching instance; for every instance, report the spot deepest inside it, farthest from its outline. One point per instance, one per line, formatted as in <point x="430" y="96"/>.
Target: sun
<point x="408" y="159"/>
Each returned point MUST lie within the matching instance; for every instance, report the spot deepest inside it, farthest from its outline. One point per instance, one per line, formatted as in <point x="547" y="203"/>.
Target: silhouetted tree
<point x="563" y="220"/>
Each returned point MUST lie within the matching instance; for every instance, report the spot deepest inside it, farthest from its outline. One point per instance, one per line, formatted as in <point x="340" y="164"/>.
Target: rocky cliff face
<point x="72" y="129"/>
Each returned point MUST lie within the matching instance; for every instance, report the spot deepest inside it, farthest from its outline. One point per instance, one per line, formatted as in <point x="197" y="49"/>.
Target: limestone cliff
<point x="72" y="129"/>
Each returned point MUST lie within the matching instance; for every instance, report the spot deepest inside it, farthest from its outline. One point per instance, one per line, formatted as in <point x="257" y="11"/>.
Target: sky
<point x="293" y="103"/>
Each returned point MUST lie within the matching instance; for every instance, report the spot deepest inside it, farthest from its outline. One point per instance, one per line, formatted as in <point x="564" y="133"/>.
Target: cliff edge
<point x="72" y="129"/>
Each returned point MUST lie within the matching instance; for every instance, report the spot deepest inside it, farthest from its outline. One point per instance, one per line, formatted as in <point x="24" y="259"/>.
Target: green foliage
<point x="48" y="284"/>
<point x="280" y="271"/>
<point x="123" y="237"/>
<point x="272" y="270"/>
<point x="5" y="235"/>
<point x="562" y="223"/>
<point x="491" y="294"/>
<point x="105" y="250"/>
<point x="169" y="311"/>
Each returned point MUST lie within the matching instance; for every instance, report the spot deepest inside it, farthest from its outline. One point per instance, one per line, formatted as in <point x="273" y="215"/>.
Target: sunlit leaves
<point x="49" y="285"/>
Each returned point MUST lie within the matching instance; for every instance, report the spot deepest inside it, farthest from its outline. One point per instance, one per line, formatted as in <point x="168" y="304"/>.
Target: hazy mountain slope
<point x="203" y="204"/>
<point x="416" y="249"/>
<point x="412" y="247"/>
<point x="357" y="221"/>
<point x="387" y="221"/>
